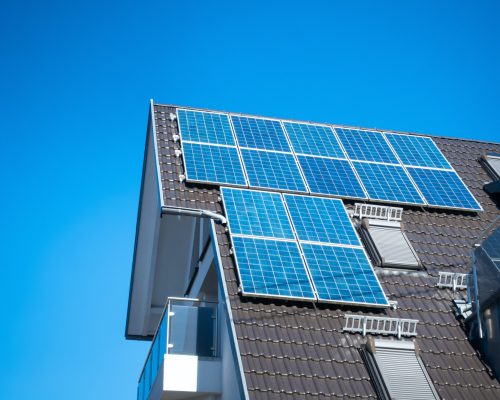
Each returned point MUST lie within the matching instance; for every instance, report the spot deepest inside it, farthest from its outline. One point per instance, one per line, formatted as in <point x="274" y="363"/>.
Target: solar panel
<point x="316" y="140"/>
<point x="205" y="127"/>
<point x="319" y="219"/>
<point x="417" y="151"/>
<point x="443" y="188"/>
<point x="213" y="164"/>
<point x="331" y="176"/>
<point x="343" y="275"/>
<point x="366" y="146"/>
<point x="271" y="268"/>
<point x="387" y="183"/>
<point x="258" y="133"/>
<point x="272" y="170"/>
<point x="256" y="213"/>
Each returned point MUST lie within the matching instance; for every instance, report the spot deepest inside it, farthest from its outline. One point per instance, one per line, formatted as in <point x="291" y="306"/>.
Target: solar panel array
<point x="298" y="247"/>
<point x="262" y="153"/>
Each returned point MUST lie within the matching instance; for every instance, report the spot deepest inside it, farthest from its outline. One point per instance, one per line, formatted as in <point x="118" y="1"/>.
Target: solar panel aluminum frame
<point x="206" y="112"/>
<point x="332" y="127"/>
<point x="236" y="146"/>
<point x="275" y="189"/>
<point x="344" y="152"/>
<point x="424" y="204"/>
<point x="295" y="157"/>
<point x="294" y="240"/>
<point x="284" y="196"/>
<point x="384" y="133"/>
<point x="344" y="302"/>
<point x="360" y="247"/>
<point x="267" y="296"/>
<point x="279" y="121"/>
<point x="333" y="195"/>
<point x="275" y="193"/>
<point x="427" y="204"/>
<point x="362" y="130"/>
<point x="283" y="122"/>
<point x="246" y="185"/>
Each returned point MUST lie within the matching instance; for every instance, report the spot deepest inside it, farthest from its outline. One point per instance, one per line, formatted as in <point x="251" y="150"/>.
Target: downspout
<point x="190" y="212"/>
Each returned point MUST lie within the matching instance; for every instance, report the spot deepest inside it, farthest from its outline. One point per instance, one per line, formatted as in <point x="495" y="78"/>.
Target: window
<point x="397" y="371"/>
<point x="388" y="245"/>
<point x="491" y="163"/>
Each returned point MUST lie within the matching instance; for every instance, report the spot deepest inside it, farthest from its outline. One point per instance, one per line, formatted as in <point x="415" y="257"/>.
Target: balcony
<point x="183" y="359"/>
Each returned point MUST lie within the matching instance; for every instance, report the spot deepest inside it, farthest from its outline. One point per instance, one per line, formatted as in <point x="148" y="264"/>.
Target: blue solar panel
<point x="316" y="140"/>
<point x="443" y="188"/>
<point x="318" y="219"/>
<point x="258" y="133"/>
<point x="343" y="274"/>
<point x="256" y="213"/>
<point x="387" y="182"/>
<point x="199" y="126"/>
<point x="366" y="146"/>
<point x="271" y="268"/>
<point x="418" y="151"/>
<point x="272" y="170"/>
<point x="213" y="164"/>
<point x="331" y="176"/>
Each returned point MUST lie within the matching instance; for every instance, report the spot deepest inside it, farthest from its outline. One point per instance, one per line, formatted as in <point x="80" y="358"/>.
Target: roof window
<point x="382" y="232"/>
<point x="491" y="163"/>
<point x="397" y="370"/>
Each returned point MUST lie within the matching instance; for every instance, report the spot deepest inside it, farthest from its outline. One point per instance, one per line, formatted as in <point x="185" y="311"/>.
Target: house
<point x="421" y="331"/>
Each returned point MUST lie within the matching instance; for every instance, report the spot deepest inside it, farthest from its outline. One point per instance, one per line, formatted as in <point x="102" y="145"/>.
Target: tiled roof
<point x="293" y="350"/>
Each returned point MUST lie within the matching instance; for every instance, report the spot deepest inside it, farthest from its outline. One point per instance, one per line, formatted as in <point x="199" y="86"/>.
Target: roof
<point x="291" y="349"/>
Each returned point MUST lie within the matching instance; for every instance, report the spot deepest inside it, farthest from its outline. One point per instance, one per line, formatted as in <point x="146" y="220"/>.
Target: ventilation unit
<point x="397" y="371"/>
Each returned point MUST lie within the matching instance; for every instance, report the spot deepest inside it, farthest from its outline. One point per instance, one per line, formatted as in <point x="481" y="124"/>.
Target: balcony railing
<point x="188" y="327"/>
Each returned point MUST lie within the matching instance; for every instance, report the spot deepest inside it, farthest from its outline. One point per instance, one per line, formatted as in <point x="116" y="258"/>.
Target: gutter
<point x="192" y="212"/>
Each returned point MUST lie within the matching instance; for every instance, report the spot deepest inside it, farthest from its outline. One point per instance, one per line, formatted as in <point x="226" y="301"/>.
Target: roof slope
<point x="290" y="350"/>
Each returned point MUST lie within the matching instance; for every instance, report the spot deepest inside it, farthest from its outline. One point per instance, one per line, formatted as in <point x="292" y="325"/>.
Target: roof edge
<point x="332" y="124"/>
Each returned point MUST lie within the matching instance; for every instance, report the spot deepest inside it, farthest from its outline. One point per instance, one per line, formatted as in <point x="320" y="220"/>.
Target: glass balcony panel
<point x="163" y="335"/>
<point x="147" y="380"/>
<point x="155" y="356"/>
<point x="192" y="330"/>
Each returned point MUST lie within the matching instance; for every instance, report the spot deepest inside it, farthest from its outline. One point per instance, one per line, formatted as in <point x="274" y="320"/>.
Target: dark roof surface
<point x="293" y="350"/>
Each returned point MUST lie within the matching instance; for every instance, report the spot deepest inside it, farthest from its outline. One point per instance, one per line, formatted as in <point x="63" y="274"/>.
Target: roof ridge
<point x="332" y="124"/>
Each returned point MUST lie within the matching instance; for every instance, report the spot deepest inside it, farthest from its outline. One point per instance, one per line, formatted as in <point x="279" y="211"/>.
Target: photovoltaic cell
<point x="387" y="182"/>
<point x="417" y="151"/>
<point x="213" y="164"/>
<point x="199" y="126"/>
<point x="331" y="176"/>
<point x="366" y="146"/>
<point x="343" y="274"/>
<point x="312" y="139"/>
<point x="258" y="133"/>
<point x="319" y="219"/>
<point x="271" y="268"/>
<point x="256" y="213"/>
<point x="443" y="188"/>
<point x="272" y="170"/>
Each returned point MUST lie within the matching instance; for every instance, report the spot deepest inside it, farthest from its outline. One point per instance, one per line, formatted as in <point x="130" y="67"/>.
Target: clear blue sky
<point x="75" y="81"/>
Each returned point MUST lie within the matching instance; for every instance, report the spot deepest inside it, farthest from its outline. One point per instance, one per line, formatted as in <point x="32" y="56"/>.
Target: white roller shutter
<point x="393" y="247"/>
<point x="402" y="371"/>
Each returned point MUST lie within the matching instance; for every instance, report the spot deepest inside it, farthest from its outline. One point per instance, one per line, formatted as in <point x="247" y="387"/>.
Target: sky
<point x="75" y="84"/>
